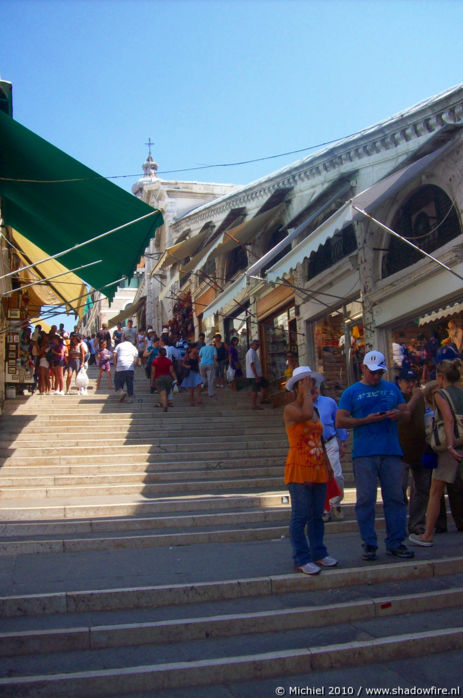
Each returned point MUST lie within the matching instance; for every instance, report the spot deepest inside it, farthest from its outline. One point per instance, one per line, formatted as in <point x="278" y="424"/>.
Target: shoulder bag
<point x="438" y="440"/>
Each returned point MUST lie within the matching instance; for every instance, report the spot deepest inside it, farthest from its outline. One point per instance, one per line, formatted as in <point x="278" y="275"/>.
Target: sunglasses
<point x="380" y="372"/>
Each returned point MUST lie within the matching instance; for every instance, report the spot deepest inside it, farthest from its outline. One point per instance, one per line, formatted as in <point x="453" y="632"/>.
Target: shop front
<point x="418" y="342"/>
<point x="277" y="322"/>
<point x="201" y="302"/>
<point x="19" y="364"/>
<point x="336" y="346"/>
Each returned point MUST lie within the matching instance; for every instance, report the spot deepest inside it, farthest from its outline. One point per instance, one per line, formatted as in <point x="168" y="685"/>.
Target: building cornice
<point x="397" y="133"/>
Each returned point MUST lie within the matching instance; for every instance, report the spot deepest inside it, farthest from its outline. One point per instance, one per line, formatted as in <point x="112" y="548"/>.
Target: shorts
<point x="58" y="362"/>
<point x="105" y="366"/>
<point x="43" y="363"/>
<point x="258" y="384"/>
<point x="163" y="383"/>
<point x="447" y="467"/>
<point x="74" y="365"/>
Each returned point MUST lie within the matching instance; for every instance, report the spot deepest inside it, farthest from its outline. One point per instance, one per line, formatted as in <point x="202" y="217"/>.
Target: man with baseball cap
<point x="372" y="407"/>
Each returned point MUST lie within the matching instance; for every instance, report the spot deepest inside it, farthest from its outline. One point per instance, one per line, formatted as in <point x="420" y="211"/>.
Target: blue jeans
<point x="307" y="505"/>
<point x="122" y="377"/>
<point x="388" y="469"/>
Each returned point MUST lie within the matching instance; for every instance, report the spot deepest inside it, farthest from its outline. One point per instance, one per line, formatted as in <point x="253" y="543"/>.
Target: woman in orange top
<point x="307" y="472"/>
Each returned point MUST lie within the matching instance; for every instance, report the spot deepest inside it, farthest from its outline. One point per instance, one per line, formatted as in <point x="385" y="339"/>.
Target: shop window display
<point x="280" y="336"/>
<point x="419" y="345"/>
<point x="339" y="366"/>
<point x="239" y="326"/>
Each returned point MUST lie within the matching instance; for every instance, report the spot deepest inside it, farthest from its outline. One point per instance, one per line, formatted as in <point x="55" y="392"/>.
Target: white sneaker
<point x="308" y="568"/>
<point x="327" y="562"/>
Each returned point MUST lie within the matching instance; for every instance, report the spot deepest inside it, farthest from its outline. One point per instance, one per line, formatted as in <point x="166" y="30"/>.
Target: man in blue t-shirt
<point x="372" y="408"/>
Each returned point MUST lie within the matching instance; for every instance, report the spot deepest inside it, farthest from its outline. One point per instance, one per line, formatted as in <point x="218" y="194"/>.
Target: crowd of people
<point x="56" y="357"/>
<point x="394" y="438"/>
<point x="422" y="353"/>
<point x="393" y="423"/>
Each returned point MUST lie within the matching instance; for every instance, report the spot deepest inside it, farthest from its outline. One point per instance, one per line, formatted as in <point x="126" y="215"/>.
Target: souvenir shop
<point x="418" y="341"/>
<point x="277" y="322"/>
<point x="336" y="346"/>
<point x="18" y="361"/>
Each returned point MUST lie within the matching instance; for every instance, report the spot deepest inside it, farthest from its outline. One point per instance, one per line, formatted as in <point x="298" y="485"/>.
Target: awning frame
<point x="271" y="254"/>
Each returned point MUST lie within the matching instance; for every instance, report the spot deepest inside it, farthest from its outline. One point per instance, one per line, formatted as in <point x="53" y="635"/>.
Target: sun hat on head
<point x="375" y="361"/>
<point x="302" y="372"/>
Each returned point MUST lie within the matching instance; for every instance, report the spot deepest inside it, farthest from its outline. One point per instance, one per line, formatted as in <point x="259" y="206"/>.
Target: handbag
<point x="438" y="440"/>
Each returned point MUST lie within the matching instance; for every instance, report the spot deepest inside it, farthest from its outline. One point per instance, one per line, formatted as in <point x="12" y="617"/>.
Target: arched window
<point x="427" y="218"/>
<point x="342" y="244"/>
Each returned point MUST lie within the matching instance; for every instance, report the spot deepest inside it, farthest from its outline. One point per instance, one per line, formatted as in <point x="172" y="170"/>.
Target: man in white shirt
<point x="255" y="374"/>
<point x="125" y="359"/>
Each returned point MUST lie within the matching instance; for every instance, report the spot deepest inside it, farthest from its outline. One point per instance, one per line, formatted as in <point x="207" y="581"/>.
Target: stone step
<point x="147" y="431"/>
<point x="148" y="477"/>
<point x="269" y="528"/>
<point x="146" y="467"/>
<point x="142" y="446"/>
<point x="55" y="508"/>
<point x="96" y="600"/>
<point x="207" y="672"/>
<point x="266" y="456"/>
<point x="187" y="629"/>
<point x="159" y="489"/>
<point x="20" y="530"/>
<point x="153" y="446"/>
<point x="212" y="648"/>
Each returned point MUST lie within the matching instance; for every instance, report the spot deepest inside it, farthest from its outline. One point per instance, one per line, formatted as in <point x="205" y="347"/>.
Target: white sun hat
<point x="302" y="372"/>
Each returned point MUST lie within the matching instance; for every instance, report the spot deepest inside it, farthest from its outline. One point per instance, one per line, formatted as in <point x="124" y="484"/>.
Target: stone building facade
<point x="288" y="259"/>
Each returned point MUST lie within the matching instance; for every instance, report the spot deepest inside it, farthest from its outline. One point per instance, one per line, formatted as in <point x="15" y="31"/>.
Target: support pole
<point x="407" y="242"/>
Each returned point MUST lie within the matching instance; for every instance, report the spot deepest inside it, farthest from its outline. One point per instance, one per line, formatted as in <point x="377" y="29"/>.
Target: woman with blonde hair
<point x="448" y="375"/>
<point x="307" y="472"/>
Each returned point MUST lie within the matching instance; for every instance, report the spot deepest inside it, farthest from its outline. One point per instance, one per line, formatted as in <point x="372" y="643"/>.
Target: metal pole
<point x="49" y="278"/>
<point x="408" y="242"/>
<point x="80" y="244"/>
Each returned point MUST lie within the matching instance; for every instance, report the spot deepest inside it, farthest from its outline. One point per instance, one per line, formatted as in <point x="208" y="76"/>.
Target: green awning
<point x="57" y="202"/>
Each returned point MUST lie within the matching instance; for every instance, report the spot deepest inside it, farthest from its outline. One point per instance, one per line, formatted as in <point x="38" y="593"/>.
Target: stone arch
<point x="428" y="218"/>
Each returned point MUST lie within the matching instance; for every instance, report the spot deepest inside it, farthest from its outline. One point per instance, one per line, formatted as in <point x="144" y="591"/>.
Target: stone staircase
<point x="146" y="554"/>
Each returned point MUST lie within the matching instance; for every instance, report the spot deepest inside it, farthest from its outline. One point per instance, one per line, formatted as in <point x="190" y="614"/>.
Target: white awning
<point x="231" y="238"/>
<point x="367" y="200"/>
<point x="226" y="297"/>
<point x="441" y="313"/>
<point x="129" y="311"/>
<point x="271" y="254"/>
<point x="180" y="251"/>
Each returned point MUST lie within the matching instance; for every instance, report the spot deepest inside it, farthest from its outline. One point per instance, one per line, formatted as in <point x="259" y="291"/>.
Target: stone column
<point x="366" y="238"/>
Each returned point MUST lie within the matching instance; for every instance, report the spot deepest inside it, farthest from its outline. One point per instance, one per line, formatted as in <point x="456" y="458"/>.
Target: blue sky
<point x="219" y="81"/>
